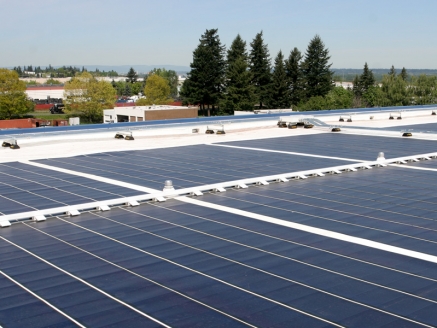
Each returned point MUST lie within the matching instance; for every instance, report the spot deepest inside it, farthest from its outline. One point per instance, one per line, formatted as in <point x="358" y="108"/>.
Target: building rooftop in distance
<point x="260" y="226"/>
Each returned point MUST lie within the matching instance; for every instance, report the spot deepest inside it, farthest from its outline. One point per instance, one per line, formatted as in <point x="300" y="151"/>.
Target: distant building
<point x="147" y="113"/>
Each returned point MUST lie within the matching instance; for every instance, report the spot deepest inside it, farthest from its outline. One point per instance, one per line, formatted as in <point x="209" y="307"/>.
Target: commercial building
<point x="147" y="113"/>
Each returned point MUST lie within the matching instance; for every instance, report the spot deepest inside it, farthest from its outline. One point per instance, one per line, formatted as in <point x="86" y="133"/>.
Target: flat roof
<point x="261" y="226"/>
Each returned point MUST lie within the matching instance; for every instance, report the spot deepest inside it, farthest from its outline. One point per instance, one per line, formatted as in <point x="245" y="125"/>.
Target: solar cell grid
<point x="26" y="188"/>
<point x="188" y="166"/>
<point x="343" y="145"/>
<point x="428" y="127"/>
<point x="185" y="281"/>
<point x="413" y="231"/>
<point x="181" y="264"/>
<point x="19" y="308"/>
<point x="304" y="274"/>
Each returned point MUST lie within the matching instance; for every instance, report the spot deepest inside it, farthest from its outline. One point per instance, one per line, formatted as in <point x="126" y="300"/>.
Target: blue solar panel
<point x="219" y="268"/>
<point x="343" y="145"/>
<point x="189" y="166"/>
<point x="26" y="188"/>
<point x="181" y="264"/>
<point x="428" y="127"/>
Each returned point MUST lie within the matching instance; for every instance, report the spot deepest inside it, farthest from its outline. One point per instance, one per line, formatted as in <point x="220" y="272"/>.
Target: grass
<point x="47" y="116"/>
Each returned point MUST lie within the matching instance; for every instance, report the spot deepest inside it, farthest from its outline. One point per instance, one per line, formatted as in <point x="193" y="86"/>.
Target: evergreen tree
<point x="294" y="76"/>
<point x="131" y="76"/>
<point x="127" y="90"/>
<point x="361" y="86"/>
<point x="366" y="79"/>
<point x="316" y="70"/>
<point x="404" y="74"/>
<point x="280" y="93"/>
<point x="239" y="90"/>
<point x="392" y="71"/>
<point x="357" y="90"/>
<point x="204" y="83"/>
<point x="237" y="49"/>
<point x="240" y="93"/>
<point x="260" y="69"/>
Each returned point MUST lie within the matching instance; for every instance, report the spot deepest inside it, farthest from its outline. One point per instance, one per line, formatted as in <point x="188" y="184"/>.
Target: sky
<point x="382" y="33"/>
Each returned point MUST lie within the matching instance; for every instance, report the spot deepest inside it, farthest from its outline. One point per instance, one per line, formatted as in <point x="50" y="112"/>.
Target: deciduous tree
<point x="171" y="77"/>
<point x="85" y="96"/>
<point x="13" y="99"/>
<point x="157" y="91"/>
<point x="424" y="89"/>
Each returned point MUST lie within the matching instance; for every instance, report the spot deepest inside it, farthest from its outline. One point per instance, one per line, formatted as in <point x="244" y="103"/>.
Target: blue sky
<point x="144" y="32"/>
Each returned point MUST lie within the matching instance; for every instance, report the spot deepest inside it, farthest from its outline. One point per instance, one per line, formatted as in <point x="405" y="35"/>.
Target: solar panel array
<point x="349" y="250"/>
<point x="347" y="146"/>
<point x="26" y="188"/>
<point x="188" y="166"/>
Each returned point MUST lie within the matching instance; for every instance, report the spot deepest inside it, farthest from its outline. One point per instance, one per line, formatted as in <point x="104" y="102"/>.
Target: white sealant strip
<point x="41" y="299"/>
<point x="87" y="283"/>
<point x="93" y="177"/>
<point x="413" y="167"/>
<point x="317" y="231"/>
<point x="289" y="153"/>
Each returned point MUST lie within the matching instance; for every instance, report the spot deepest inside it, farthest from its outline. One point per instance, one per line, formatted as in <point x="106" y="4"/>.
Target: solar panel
<point x="343" y="145"/>
<point x="189" y="166"/>
<point x="26" y="188"/>
<point x="350" y="249"/>
<point x="230" y="269"/>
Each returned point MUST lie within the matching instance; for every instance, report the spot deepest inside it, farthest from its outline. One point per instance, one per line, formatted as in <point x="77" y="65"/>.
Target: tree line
<point x="84" y="95"/>
<point x="64" y="71"/>
<point x="223" y="81"/>
<point x="131" y="86"/>
<point x="394" y="90"/>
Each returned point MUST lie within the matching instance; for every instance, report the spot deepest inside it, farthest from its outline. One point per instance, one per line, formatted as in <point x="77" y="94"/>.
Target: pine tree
<point x="131" y="75"/>
<point x="294" y="76"/>
<point x="280" y="93"/>
<point x="204" y="84"/>
<point x="237" y="49"/>
<point x="240" y="94"/>
<point x="127" y="90"/>
<point x="366" y="79"/>
<point x="404" y="74"/>
<point x="316" y="70"/>
<point x="392" y="71"/>
<point x="357" y="89"/>
<point x="260" y="69"/>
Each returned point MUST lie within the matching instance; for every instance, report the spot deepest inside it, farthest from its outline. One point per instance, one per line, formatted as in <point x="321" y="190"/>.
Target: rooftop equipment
<point x="348" y="118"/>
<point x="398" y="115"/>
<point x="127" y="135"/>
<point x="11" y="143"/>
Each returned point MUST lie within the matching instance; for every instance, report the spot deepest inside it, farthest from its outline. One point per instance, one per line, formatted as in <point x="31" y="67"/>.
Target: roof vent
<point x="168" y="185"/>
<point x="380" y="156"/>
